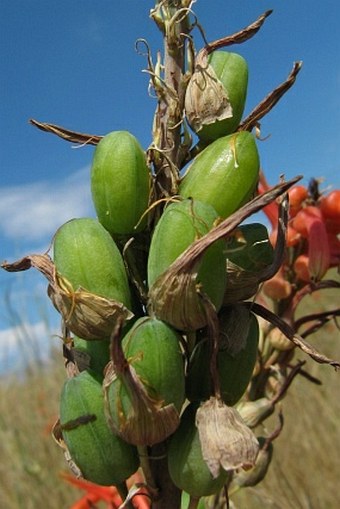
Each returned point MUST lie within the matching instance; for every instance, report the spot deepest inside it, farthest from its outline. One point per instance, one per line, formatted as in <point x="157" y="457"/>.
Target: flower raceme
<point x="313" y="228"/>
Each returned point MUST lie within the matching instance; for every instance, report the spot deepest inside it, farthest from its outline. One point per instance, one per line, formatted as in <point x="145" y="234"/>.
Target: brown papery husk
<point x="226" y="441"/>
<point x="175" y="297"/>
<point x="86" y="314"/>
<point x="132" y="413"/>
<point x="206" y="99"/>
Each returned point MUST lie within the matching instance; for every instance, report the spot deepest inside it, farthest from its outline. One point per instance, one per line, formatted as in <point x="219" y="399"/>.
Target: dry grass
<point x="30" y="461"/>
<point x="303" y="473"/>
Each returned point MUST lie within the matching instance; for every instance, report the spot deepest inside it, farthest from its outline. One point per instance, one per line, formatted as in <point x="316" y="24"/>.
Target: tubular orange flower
<point x="334" y="246"/>
<point x="314" y="265"/>
<point x="301" y="268"/>
<point x="292" y="238"/>
<point x="304" y="218"/>
<point x="94" y="493"/>
<point x="330" y="208"/>
<point x="271" y="210"/>
<point x="297" y="195"/>
<point x="277" y="287"/>
<point x="318" y="248"/>
<point x="109" y="494"/>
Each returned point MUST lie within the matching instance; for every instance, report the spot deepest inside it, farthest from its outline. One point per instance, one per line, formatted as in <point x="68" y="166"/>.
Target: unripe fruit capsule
<point x="187" y="468"/>
<point x="120" y="183"/>
<point x="224" y="174"/>
<point x="234" y="369"/>
<point x="181" y="224"/>
<point x="102" y="457"/>
<point x="86" y="255"/>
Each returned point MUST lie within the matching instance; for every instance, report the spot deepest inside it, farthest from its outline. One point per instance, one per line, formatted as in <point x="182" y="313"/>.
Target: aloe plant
<point x="170" y="303"/>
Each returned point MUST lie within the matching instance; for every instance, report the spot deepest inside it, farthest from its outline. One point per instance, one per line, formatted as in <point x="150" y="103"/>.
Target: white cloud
<point x="23" y="344"/>
<point x="34" y="211"/>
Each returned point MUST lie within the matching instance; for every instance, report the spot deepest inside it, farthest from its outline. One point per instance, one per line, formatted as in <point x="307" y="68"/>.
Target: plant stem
<point x="169" y="495"/>
<point x="172" y="16"/>
<point x="169" y="112"/>
<point x="193" y="503"/>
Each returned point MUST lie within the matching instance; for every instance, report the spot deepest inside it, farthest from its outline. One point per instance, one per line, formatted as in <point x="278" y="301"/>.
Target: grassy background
<point x="304" y="473"/>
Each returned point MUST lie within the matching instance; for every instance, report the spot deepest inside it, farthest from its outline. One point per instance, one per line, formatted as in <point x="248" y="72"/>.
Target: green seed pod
<point x="249" y="252"/>
<point x="181" y="224"/>
<point x="102" y="457"/>
<point x="92" y="355"/>
<point x="187" y="468"/>
<point x="235" y="360"/>
<point x="216" y="95"/>
<point x="224" y="174"/>
<point x="86" y="255"/>
<point x="185" y="500"/>
<point x="120" y="183"/>
<point x="142" y="411"/>
<point x="250" y="248"/>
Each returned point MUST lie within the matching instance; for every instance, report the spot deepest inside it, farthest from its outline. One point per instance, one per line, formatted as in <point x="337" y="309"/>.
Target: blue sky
<point x="73" y="63"/>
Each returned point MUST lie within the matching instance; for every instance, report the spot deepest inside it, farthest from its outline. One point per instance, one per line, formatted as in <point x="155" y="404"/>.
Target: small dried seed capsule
<point x="120" y="183"/>
<point x="216" y="94"/>
<point x="235" y="360"/>
<point x="188" y="470"/>
<point x="224" y="174"/>
<point x="255" y="412"/>
<point x="102" y="457"/>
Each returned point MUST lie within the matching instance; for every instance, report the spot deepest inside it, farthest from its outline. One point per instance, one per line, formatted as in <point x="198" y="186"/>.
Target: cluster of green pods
<point x="142" y="384"/>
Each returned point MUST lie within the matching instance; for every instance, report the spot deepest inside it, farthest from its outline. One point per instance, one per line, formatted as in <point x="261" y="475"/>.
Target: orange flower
<point x="301" y="268"/>
<point x="297" y="195"/>
<point x="277" y="287"/>
<point x="271" y="210"/>
<point x="109" y="494"/>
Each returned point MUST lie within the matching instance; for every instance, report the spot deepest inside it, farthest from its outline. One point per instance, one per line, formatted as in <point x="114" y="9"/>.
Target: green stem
<point x="145" y="465"/>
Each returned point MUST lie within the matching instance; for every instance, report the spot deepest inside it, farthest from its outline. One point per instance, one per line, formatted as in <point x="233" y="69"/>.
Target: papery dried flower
<point x="86" y="314"/>
<point x="257" y="473"/>
<point x="144" y="391"/>
<point x="132" y="414"/>
<point x="226" y="441"/>
<point x="206" y="99"/>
